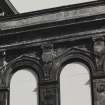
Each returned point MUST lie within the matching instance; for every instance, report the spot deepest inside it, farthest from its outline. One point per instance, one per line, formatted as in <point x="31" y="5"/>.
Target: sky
<point x="33" y="5"/>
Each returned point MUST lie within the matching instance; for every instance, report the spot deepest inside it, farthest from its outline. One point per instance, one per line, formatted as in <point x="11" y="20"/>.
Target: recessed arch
<point x="21" y="63"/>
<point x="17" y="64"/>
<point x="23" y="88"/>
<point x="69" y="58"/>
<point x="75" y="85"/>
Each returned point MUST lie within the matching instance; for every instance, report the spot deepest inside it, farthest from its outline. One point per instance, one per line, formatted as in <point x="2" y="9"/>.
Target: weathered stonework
<point x="46" y="41"/>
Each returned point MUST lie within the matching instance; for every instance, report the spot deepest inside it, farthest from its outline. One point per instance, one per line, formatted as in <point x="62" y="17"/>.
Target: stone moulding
<point x="46" y="41"/>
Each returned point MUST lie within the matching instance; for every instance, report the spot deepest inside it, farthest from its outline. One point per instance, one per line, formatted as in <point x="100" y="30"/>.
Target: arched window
<point x="75" y="85"/>
<point x="23" y="88"/>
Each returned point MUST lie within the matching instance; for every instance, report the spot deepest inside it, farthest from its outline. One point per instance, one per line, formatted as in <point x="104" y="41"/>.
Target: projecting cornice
<point x="59" y="14"/>
<point x="60" y="24"/>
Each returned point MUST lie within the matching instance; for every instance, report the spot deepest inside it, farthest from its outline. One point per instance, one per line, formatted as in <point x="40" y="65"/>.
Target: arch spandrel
<point x="73" y="56"/>
<point x="21" y="63"/>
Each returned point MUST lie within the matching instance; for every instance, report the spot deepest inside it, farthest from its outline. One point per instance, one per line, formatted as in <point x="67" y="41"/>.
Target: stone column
<point x="4" y="97"/>
<point x="49" y="94"/>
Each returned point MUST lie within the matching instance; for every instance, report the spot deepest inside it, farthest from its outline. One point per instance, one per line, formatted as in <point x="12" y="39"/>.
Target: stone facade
<point x="46" y="41"/>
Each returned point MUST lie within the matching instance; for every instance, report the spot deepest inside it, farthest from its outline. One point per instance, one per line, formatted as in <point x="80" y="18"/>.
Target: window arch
<point x="75" y="85"/>
<point x="23" y="88"/>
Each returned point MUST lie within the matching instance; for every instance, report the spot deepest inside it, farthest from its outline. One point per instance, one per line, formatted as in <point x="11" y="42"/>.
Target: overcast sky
<point x="33" y="5"/>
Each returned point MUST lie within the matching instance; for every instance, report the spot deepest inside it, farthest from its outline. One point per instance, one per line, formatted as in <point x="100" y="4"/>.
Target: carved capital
<point x="99" y="44"/>
<point x="48" y="53"/>
<point x="99" y="52"/>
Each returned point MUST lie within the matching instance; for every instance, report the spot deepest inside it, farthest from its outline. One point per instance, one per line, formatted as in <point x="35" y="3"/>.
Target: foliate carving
<point x="99" y="51"/>
<point x="99" y="91"/>
<point x="99" y="44"/>
<point x="47" y="68"/>
<point x="48" y="56"/>
<point x="48" y="53"/>
<point x="3" y="61"/>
